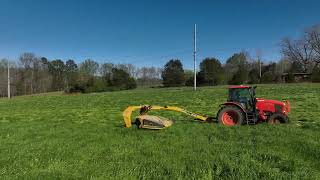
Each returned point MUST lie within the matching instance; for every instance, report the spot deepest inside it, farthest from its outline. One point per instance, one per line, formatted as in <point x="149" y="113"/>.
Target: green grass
<point x="58" y="136"/>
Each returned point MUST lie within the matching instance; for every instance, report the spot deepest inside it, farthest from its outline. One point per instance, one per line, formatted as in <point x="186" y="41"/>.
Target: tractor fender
<point x="234" y="104"/>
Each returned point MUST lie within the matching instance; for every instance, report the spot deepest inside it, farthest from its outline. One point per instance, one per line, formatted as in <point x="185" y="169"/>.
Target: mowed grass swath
<point x="82" y="136"/>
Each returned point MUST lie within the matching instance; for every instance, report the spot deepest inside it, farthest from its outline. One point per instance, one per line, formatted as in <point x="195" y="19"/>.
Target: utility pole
<point x="195" y="57"/>
<point x="258" y="52"/>
<point x="259" y="61"/>
<point x="9" y="90"/>
<point x="259" y="68"/>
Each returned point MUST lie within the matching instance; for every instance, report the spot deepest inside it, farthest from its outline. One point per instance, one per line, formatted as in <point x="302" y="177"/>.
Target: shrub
<point x="76" y="88"/>
<point x="267" y="77"/>
<point x="316" y="75"/>
<point x="121" y="80"/>
<point x="98" y="85"/>
<point x="290" y="78"/>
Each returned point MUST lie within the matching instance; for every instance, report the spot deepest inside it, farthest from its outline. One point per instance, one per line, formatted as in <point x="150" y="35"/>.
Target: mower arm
<point x="145" y="108"/>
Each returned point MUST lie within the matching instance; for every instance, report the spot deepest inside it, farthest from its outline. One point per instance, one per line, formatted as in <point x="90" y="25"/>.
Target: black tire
<point x="236" y="113"/>
<point x="277" y="118"/>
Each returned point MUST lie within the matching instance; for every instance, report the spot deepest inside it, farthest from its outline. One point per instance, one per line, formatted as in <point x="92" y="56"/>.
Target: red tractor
<point x="244" y="108"/>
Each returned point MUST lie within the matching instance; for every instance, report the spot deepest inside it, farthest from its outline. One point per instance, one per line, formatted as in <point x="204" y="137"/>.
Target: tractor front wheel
<point x="278" y="118"/>
<point x="230" y="116"/>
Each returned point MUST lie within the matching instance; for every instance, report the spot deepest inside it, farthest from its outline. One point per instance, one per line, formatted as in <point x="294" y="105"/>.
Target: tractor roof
<point x="239" y="87"/>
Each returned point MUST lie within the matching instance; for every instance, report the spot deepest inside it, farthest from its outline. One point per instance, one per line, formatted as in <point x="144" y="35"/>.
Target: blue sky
<point x="150" y="32"/>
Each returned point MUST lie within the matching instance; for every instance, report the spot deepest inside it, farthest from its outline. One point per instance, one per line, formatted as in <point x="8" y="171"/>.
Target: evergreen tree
<point x="173" y="74"/>
<point x="211" y="71"/>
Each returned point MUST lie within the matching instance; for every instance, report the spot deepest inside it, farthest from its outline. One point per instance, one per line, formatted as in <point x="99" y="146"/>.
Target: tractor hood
<point x="270" y="101"/>
<point x="268" y="104"/>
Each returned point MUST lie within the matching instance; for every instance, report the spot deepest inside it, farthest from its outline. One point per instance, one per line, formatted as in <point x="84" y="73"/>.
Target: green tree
<point x="95" y="84"/>
<point x="173" y="74"/>
<point x="236" y="69"/>
<point x="254" y="76"/>
<point x="240" y="77"/>
<point x="200" y="80"/>
<point x="57" y="70"/>
<point x="237" y="58"/>
<point x="121" y="80"/>
<point x="189" y="76"/>
<point x="267" y="77"/>
<point x="212" y="71"/>
<point x="71" y="72"/>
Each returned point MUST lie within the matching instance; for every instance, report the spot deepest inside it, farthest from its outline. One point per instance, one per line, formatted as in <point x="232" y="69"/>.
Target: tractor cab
<point x="244" y="96"/>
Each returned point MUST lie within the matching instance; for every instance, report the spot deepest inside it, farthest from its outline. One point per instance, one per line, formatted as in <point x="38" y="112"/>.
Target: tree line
<point x="298" y="56"/>
<point x="238" y="69"/>
<point x="31" y="74"/>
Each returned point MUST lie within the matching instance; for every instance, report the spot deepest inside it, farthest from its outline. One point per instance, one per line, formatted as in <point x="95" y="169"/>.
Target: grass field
<point x="82" y="136"/>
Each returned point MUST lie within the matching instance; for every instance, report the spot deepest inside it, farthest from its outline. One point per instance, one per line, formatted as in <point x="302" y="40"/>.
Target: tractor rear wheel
<point x="278" y="118"/>
<point x="230" y="116"/>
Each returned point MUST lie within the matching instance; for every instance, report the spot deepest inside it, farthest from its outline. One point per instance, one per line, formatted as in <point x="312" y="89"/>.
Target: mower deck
<point x="152" y="122"/>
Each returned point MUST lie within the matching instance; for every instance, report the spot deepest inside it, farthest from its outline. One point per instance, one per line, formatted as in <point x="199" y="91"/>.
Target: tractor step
<point x="251" y="119"/>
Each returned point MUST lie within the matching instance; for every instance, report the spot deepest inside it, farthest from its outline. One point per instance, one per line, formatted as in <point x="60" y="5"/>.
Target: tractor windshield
<point x="242" y="96"/>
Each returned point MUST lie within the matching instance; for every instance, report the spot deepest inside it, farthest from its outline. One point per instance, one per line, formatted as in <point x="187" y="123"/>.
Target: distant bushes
<point x="267" y="77"/>
<point x="115" y="80"/>
<point x="120" y="80"/>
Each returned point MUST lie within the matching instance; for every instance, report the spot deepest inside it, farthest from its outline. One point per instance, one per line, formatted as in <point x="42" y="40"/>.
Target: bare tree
<point x="28" y="60"/>
<point x="89" y="67"/>
<point x="299" y="51"/>
<point x="132" y="70"/>
<point x="149" y="76"/>
<point x="313" y="36"/>
<point x="129" y="68"/>
<point x="105" y="70"/>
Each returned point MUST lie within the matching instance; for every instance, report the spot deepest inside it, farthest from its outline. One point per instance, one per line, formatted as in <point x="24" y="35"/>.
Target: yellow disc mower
<point x="155" y="122"/>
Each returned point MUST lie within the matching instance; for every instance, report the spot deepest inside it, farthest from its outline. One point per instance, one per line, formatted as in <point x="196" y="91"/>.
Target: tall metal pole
<point x="260" y="68"/>
<point x="9" y="90"/>
<point x="195" y="57"/>
<point x="258" y="51"/>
